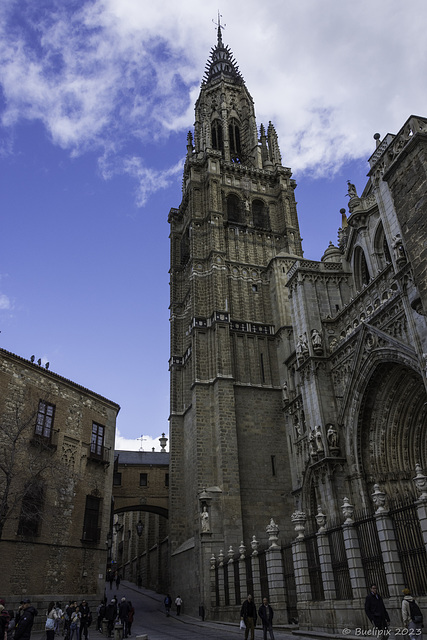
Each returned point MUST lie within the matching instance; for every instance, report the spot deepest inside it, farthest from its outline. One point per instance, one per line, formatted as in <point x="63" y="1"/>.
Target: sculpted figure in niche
<point x="285" y="394"/>
<point x="316" y="340"/>
<point x="399" y="251"/>
<point x="204" y="520"/>
<point x="319" y="440"/>
<point x="311" y="445"/>
<point x="302" y="346"/>
<point x="333" y="437"/>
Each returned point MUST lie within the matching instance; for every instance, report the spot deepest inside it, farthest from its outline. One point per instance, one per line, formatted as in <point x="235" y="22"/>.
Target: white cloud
<point x="5" y="303"/>
<point x="135" y="444"/>
<point x="328" y="74"/>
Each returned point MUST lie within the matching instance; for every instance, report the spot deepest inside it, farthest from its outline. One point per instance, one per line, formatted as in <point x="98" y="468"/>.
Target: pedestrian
<point x="110" y="615"/>
<point x="59" y="616"/>
<point x="411" y="615"/>
<point x="178" y="602"/>
<point x="266" y="613"/>
<point x="249" y="616"/>
<point x="131" y="615"/>
<point x="75" y="621"/>
<point x="86" y="619"/>
<point x="168" y="604"/>
<point x="25" y="620"/>
<point x="123" y="616"/>
<point x="100" y="612"/>
<point x="67" y="618"/>
<point x="375" y="609"/>
<point x="50" y="621"/>
<point x="4" y="620"/>
<point x="118" y="580"/>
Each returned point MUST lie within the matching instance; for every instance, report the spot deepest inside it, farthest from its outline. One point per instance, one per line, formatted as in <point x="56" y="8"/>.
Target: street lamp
<point x="139" y="528"/>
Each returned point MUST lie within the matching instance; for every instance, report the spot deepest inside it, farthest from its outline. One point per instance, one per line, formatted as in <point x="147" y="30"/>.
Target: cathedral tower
<point x="229" y="457"/>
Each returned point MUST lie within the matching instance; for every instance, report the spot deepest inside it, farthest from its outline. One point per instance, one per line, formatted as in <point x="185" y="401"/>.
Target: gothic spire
<point x="221" y="61"/>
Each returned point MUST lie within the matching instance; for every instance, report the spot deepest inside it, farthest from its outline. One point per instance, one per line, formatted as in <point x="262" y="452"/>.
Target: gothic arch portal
<point x="391" y="429"/>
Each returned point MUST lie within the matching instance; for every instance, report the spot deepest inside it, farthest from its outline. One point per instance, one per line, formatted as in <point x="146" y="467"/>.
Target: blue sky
<point x="96" y="98"/>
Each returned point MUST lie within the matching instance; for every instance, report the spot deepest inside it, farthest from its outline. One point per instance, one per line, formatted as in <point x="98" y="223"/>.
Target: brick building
<point x="298" y="425"/>
<point x="56" y="473"/>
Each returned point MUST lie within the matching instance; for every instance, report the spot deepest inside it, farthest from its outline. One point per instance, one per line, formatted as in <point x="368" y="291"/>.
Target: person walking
<point x="123" y="615"/>
<point x="50" y="621"/>
<point x="266" y="613"/>
<point x="178" y="603"/>
<point x="118" y="580"/>
<point x="86" y="619"/>
<point x="4" y="620"/>
<point x="131" y="615"/>
<point x="412" y="617"/>
<point x="168" y="603"/>
<point x="100" y="615"/>
<point x="110" y="615"/>
<point x="75" y="621"/>
<point x="375" y="609"/>
<point x="25" y="621"/>
<point x="249" y="616"/>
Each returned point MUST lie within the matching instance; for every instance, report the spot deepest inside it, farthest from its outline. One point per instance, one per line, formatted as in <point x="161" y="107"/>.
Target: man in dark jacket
<point x="25" y="621"/>
<point x="265" y="612"/>
<point x="86" y="619"/>
<point x="375" y="609"/>
<point x="123" y="615"/>
<point x="110" y="615"/>
<point x="249" y="615"/>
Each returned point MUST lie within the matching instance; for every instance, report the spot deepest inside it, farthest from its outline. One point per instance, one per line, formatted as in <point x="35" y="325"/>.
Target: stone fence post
<point x="387" y="538"/>
<point x="276" y="583"/>
<point x="352" y="550"/>
<point x="325" y="557"/>
<point x="420" y="481"/>
<point x="300" y="560"/>
<point x="255" y="572"/>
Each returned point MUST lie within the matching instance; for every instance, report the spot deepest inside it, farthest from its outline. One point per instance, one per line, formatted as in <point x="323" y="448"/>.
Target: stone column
<point x="387" y="537"/>
<point x="421" y="485"/>
<point x="221" y="578"/>
<point x="325" y="557"/>
<point x="352" y="550"/>
<point x="300" y="560"/>
<point x="242" y="572"/>
<point x="276" y="584"/>
<point x="255" y="572"/>
<point x="231" y="569"/>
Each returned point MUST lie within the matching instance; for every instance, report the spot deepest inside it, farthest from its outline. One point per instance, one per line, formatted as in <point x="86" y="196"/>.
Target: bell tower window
<point x="234" y="138"/>
<point x="260" y="215"/>
<point x="217" y="139"/>
<point x="234" y="209"/>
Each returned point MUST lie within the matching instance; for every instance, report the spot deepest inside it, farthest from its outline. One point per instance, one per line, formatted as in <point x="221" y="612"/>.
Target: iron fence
<point x="289" y="581"/>
<point x="410" y="547"/>
<point x="314" y="570"/>
<point x="339" y="564"/>
<point x="370" y="551"/>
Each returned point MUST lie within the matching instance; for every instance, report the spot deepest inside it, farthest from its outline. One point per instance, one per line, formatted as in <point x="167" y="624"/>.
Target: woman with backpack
<point x="50" y="621"/>
<point x="411" y="615"/>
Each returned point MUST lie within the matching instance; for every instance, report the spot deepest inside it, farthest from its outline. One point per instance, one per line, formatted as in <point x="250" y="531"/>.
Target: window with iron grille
<point x="91" y="531"/>
<point x="44" y="422"/>
<point x="117" y="479"/>
<point x="97" y="440"/>
<point x="30" y="517"/>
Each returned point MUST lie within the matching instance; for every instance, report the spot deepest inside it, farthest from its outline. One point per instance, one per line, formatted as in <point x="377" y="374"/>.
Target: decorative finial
<point x="220" y="26"/>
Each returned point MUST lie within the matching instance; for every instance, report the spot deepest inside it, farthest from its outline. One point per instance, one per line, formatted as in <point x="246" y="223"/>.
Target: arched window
<point x="217" y="139"/>
<point x="234" y="208"/>
<point x="260" y="215"/>
<point x="361" y="271"/>
<point x="234" y="138"/>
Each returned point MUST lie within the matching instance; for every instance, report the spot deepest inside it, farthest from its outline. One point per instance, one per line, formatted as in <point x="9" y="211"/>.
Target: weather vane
<point x="218" y="24"/>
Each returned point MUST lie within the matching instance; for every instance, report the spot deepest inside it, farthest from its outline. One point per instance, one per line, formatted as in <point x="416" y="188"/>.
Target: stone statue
<point x="285" y="394"/>
<point x="319" y="439"/>
<point x="311" y="447"/>
<point x="352" y="193"/>
<point x="316" y="340"/>
<point x="302" y="346"/>
<point x="398" y="250"/>
<point x="332" y="437"/>
<point x="204" y="518"/>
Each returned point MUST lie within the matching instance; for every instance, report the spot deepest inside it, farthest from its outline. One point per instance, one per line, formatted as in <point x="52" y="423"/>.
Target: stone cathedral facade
<point x="298" y="439"/>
